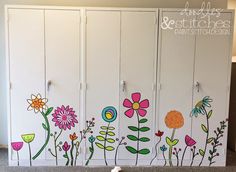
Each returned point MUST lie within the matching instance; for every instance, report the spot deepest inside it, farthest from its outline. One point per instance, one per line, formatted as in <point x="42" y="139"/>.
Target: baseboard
<point x="3" y="146"/>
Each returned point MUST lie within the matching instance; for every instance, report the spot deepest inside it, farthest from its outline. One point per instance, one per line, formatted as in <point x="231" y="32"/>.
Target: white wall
<point x="107" y="3"/>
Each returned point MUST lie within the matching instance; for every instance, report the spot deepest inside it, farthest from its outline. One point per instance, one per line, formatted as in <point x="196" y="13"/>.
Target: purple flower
<point x="64" y="117"/>
<point x="66" y="147"/>
<point x="16" y="146"/>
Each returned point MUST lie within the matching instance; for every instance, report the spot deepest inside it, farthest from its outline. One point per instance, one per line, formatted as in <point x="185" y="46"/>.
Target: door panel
<point x="176" y="80"/>
<point x="102" y="71"/>
<point x="26" y="46"/>
<point x="138" y="58"/>
<point x="62" y="46"/>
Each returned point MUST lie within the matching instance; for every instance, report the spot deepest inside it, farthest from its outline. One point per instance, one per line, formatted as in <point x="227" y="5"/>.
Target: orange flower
<point x="73" y="136"/>
<point x="174" y="119"/>
<point x="37" y="103"/>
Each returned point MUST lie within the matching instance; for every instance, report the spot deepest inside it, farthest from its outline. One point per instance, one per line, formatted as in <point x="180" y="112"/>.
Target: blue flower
<point x="163" y="148"/>
<point x="200" y="107"/>
<point x="109" y="114"/>
<point x="91" y="139"/>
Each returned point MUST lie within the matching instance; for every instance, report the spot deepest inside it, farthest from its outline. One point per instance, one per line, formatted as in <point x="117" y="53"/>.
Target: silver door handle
<point x="197" y="85"/>
<point x="123" y="85"/>
<point x="49" y="83"/>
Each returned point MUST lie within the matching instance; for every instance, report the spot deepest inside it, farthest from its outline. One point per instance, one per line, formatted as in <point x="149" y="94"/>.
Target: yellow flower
<point x="28" y="137"/>
<point x="37" y="103"/>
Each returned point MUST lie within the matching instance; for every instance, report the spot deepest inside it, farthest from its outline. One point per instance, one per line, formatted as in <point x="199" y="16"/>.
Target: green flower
<point x="109" y="114"/>
<point x="200" y="106"/>
<point x="91" y="139"/>
<point x="28" y="138"/>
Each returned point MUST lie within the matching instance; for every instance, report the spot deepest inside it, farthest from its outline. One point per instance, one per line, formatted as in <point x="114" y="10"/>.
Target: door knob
<point x="197" y="85"/>
<point x="49" y="83"/>
<point x="123" y="85"/>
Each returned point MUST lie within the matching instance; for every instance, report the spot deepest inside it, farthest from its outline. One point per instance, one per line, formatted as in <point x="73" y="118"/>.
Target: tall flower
<point x="28" y="138"/>
<point x="66" y="148"/>
<point x="199" y="108"/>
<point x="136" y="105"/>
<point x="163" y="149"/>
<point x="37" y="103"/>
<point x="109" y="114"/>
<point x="159" y="134"/>
<point x="16" y="146"/>
<point x="189" y="142"/>
<point x="73" y="137"/>
<point x="64" y="117"/>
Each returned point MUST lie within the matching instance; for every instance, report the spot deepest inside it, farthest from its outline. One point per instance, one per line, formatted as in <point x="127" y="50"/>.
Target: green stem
<point x="91" y="155"/>
<point x="47" y="139"/>
<point x="183" y="155"/>
<point x="171" y="148"/>
<point x="71" y="153"/>
<point x="156" y="152"/>
<point x="67" y="157"/>
<point x="105" y="144"/>
<point x="207" y="135"/>
<point x="136" y="162"/>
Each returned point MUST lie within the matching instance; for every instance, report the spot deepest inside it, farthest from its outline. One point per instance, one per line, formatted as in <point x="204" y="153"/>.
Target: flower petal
<point x="39" y="96"/>
<point x="127" y="103"/>
<point x="33" y="96"/>
<point x="129" y="113"/>
<point x="142" y="112"/>
<point x="136" y="97"/>
<point x="144" y="103"/>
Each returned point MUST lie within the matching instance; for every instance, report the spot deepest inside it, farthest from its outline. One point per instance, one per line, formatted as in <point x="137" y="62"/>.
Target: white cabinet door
<point x="26" y="46"/>
<point x="176" y="65"/>
<point x="212" y="69"/>
<point x="138" y="62"/>
<point x="62" y="47"/>
<point x="102" y="73"/>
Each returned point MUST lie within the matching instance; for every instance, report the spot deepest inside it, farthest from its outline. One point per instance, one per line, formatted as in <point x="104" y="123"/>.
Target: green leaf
<point x="144" y="129"/>
<point x="49" y="111"/>
<point x="44" y="126"/>
<point x="170" y="142"/>
<point x="100" y="138"/>
<point x="110" y="148"/>
<point x="143" y="120"/>
<point x="209" y="114"/>
<point x="65" y="156"/>
<point x="103" y="127"/>
<point x="210" y="140"/>
<point x="110" y="133"/>
<point x="111" y="128"/>
<point x="99" y="145"/>
<point x="144" y="151"/>
<point x="133" y="128"/>
<point x="144" y="139"/>
<point x="110" y="140"/>
<point x="201" y="152"/>
<point x="133" y="138"/>
<point x="102" y="132"/>
<point x="131" y="149"/>
<point x="91" y="149"/>
<point x="204" y="128"/>
<point x="175" y="142"/>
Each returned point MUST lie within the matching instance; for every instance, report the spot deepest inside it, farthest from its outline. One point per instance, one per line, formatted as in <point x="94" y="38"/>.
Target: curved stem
<point x="71" y="153"/>
<point x="91" y="155"/>
<point x="163" y="153"/>
<point x="17" y="158"/>
<point x="136" y="163"/>
<point x="55" y="145"/>
<point x="67" y="157"/>
<point x="47" y="139"/>
<point x="105" y="144"/>
<point x="207" y="135"/>
<point x="120" y="143"/>
<point x="30" y="154"/>
<point x="171" y="147"/>
<point x="155" y="151"/>
<point x="183" y="155"/>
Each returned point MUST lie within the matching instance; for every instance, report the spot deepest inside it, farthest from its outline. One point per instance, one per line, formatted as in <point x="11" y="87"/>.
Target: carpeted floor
<point x="231" y="167"/>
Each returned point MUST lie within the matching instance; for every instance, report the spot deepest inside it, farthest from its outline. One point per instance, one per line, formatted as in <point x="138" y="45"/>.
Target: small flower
<point x="16" y="146"/>
<point x="136" y="105"/>
<point x="66" y="146"/>
<point x="163" y="148"/>
<point x="64" y="117"/>
<point x="73" y="137"/>
<point x="91" y="139"/>
<point x="109" y="114"/>
<point x="174" y="119"/>
<point x="200" y="106"/>
<point x="28" y="138"/>
<point x="159" y="133"/>
<point x="37" y="103"/>
<point x="189" y="141"/>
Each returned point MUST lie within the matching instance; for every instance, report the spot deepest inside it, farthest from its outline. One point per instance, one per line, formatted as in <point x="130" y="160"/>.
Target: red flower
<point x="189" y="141"/>
<point x="66" y="147"/>
<point x="159" y="133"/>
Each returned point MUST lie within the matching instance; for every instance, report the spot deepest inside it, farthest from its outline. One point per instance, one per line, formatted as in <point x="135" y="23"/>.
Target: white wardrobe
<point x="89" y="62"/>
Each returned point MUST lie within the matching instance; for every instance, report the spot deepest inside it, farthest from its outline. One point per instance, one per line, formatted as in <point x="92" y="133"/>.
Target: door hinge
<point x="10" y="85"/>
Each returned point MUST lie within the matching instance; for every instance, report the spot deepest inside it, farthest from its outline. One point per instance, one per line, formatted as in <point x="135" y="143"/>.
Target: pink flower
<point x="64" y="117"/>
<point x="136" y="105"/>
<point x="189" y="141"/>
<point x="16" y="146"/>
<point x="66" y="147"/>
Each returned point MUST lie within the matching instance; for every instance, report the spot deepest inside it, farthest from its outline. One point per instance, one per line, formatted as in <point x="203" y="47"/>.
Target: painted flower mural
<point x="139" y="107"/>
<point x="163" y="150"/>
<point x="38" y="104"/>
<point x="173" y="120"/>
<point x="28" y="138"/>
<point x="189" y="143"/>
<point x="17" y="146"/>
<point x="159" y="134"/>
<point x="66" y="148"/>
<point x="91" y="140"/>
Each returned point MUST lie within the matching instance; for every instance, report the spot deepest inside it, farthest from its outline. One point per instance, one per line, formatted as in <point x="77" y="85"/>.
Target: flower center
<point x="64" y="117"/>
<point x="136" y="106"/>
<point x="108" y="115"/>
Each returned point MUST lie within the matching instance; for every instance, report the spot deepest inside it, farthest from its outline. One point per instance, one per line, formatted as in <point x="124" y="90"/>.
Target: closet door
<point x="212" y="72"/>
<point x="27" y="75"/>
<point x="62" y="46"/>
<point x="138" y="62"/>
<point x="102" y="75"/>
<point x="176" y="67"/>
